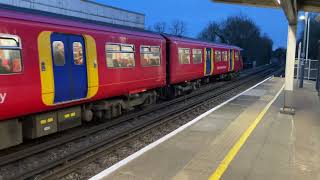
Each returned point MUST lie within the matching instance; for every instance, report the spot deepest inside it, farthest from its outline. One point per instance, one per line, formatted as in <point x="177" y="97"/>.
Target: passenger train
<point x="57" y="71"/>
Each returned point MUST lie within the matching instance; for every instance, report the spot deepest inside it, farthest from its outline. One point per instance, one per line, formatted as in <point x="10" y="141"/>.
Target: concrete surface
<point x="281" y="147"/>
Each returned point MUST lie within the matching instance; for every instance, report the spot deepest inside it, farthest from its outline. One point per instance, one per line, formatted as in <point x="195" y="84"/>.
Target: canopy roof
<point x="290" y="7"/>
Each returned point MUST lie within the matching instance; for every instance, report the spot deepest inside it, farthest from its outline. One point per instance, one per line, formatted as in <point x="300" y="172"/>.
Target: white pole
<point x="307" y="53"/>
<point x="299" y="64"/>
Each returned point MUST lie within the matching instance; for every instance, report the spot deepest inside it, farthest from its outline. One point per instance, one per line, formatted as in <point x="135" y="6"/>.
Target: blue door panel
<point x="62" y="76"/>
<point x="70" y="78"/>
<point x="79" y="70"/>
<point x="208" y="61"/>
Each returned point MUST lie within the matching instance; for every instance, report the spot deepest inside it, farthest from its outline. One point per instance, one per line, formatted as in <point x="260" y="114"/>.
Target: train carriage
<point x="191" y="61"/>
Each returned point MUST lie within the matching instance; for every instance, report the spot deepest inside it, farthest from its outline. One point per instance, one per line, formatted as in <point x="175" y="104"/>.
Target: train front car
<point x="193" y="63"/>
<point x="227" y="61"/>
<point x="56" y="72"/>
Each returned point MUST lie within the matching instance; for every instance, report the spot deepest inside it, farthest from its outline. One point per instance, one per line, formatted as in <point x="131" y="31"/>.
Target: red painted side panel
<point x="238" y="64"/>
<point x="221" y="67"/>
<point x="121" y="81"/>
<point x="23" y="91"/>
<point x="184" y="72"/>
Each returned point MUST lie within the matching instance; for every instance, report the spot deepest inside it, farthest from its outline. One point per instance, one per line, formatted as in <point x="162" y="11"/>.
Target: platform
<point x="278" y="147"/>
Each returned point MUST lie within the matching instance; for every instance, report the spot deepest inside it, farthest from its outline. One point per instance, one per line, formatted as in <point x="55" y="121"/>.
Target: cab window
<point x="224" y="56"/>
<point x="184" y="55"/>
<point x="10" y="54"/>
<point x="120" y="55"/>
<point x="58" y="53"/>
<point x="197" y="56"/>
<point x="150" y="55"/>
<point x="217" y="56"/>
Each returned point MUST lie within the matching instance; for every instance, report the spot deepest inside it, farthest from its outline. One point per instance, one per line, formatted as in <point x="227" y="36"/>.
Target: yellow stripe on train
<point x="92" y="66"/>
<point x="46" y="68"/>
<point x="212" y="61"/>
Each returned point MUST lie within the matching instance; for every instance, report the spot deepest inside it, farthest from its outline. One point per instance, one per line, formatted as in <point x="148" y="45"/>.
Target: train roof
<point x="197" y="41"/>
<point x="32" y="15"/>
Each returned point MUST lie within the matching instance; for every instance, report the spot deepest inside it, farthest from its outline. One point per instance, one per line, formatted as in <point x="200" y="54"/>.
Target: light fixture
<point x="302" y="17"/>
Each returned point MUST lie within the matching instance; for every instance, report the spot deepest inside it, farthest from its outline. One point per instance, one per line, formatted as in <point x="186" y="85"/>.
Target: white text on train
<point x="2" y="97"/>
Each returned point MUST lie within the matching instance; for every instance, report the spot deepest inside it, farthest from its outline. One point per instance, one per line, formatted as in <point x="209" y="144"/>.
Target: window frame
<point x="215" y="55"/>
<point x="236" y="55"/>
<point x="18" y="48"/>
<point x="83" y="57"/>
<point x="120" y="51"/>
<point x="181" y="48"/>
<point x="64" y="53"/>
<point x="150" y="52"/>
<point x="201" y="53"/>
<point x="224" y="56"/>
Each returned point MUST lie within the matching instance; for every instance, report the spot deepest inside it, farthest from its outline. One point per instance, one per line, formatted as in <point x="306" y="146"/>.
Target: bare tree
<point x="212" y="33"/>
<point x="178" y="28"/>
<point x="160" y="27"/>
<point x="243" y="32"/>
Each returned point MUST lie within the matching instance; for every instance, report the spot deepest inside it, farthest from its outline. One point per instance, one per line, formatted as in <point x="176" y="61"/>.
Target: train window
<point x="10" y="54"/>
<point x="197" y="56"/>
<point x="120" y="56"/>
<point x="224" y="56"/>
<point x="184" y="55"/>
<point x="217" y="56"/>
<point x="58" y="53"/>
<point x="150" y="55"/>
<point x="236" y="56"/>
<point x="77" y="53"/>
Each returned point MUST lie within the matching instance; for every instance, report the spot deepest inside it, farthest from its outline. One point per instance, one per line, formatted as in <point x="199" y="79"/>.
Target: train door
<point x="208" y="62"/>
<point x="231" y="60"/>
<point x="69" y="67"/>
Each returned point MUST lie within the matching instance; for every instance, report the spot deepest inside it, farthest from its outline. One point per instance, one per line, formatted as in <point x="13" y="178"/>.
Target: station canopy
<point x="290" y="7"/>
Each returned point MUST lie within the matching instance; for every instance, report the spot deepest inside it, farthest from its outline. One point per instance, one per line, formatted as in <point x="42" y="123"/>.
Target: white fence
<point x="310" y="69"/>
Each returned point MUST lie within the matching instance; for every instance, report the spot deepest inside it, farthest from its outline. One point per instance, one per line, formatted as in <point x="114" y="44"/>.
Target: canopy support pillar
<point x="288" y="107"/>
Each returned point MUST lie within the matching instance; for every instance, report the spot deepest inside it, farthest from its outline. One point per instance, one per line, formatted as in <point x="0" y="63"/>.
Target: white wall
<point x="83" y="9"/>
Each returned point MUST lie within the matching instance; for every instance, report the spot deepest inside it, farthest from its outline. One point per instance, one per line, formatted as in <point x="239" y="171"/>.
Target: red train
<point x="56" y="72"/>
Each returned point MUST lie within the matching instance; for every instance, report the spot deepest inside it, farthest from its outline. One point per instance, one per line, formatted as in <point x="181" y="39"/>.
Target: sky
<point x="198" y="13"/>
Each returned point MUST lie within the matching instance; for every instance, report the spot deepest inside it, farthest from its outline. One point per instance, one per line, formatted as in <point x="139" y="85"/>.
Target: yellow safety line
<point x="236" y="147"/>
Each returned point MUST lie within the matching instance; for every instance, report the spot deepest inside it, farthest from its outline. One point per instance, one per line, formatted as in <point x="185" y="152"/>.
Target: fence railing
<point x="310" y="69"/>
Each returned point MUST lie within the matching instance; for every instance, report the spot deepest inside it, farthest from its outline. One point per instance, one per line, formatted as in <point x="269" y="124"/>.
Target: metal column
<point x="290" y="61"/>
<point x="318" y="71"/>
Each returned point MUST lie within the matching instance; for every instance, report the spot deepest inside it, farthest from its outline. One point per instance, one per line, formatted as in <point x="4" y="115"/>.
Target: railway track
<point x="110" y="134"/>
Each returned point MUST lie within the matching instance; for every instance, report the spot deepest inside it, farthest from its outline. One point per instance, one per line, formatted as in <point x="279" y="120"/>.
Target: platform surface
<point x="281" y="146"/>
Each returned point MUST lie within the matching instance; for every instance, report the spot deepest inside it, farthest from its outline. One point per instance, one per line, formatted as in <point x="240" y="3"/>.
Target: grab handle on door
<point x="43" y="66"/>
<point x="95" y="64"/>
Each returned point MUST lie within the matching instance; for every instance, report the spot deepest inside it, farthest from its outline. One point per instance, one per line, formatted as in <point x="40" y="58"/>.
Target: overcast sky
<point x="197" y="13"/>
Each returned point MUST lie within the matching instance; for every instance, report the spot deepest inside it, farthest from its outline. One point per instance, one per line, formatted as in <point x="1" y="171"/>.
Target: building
<point x="86" y="9"/>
